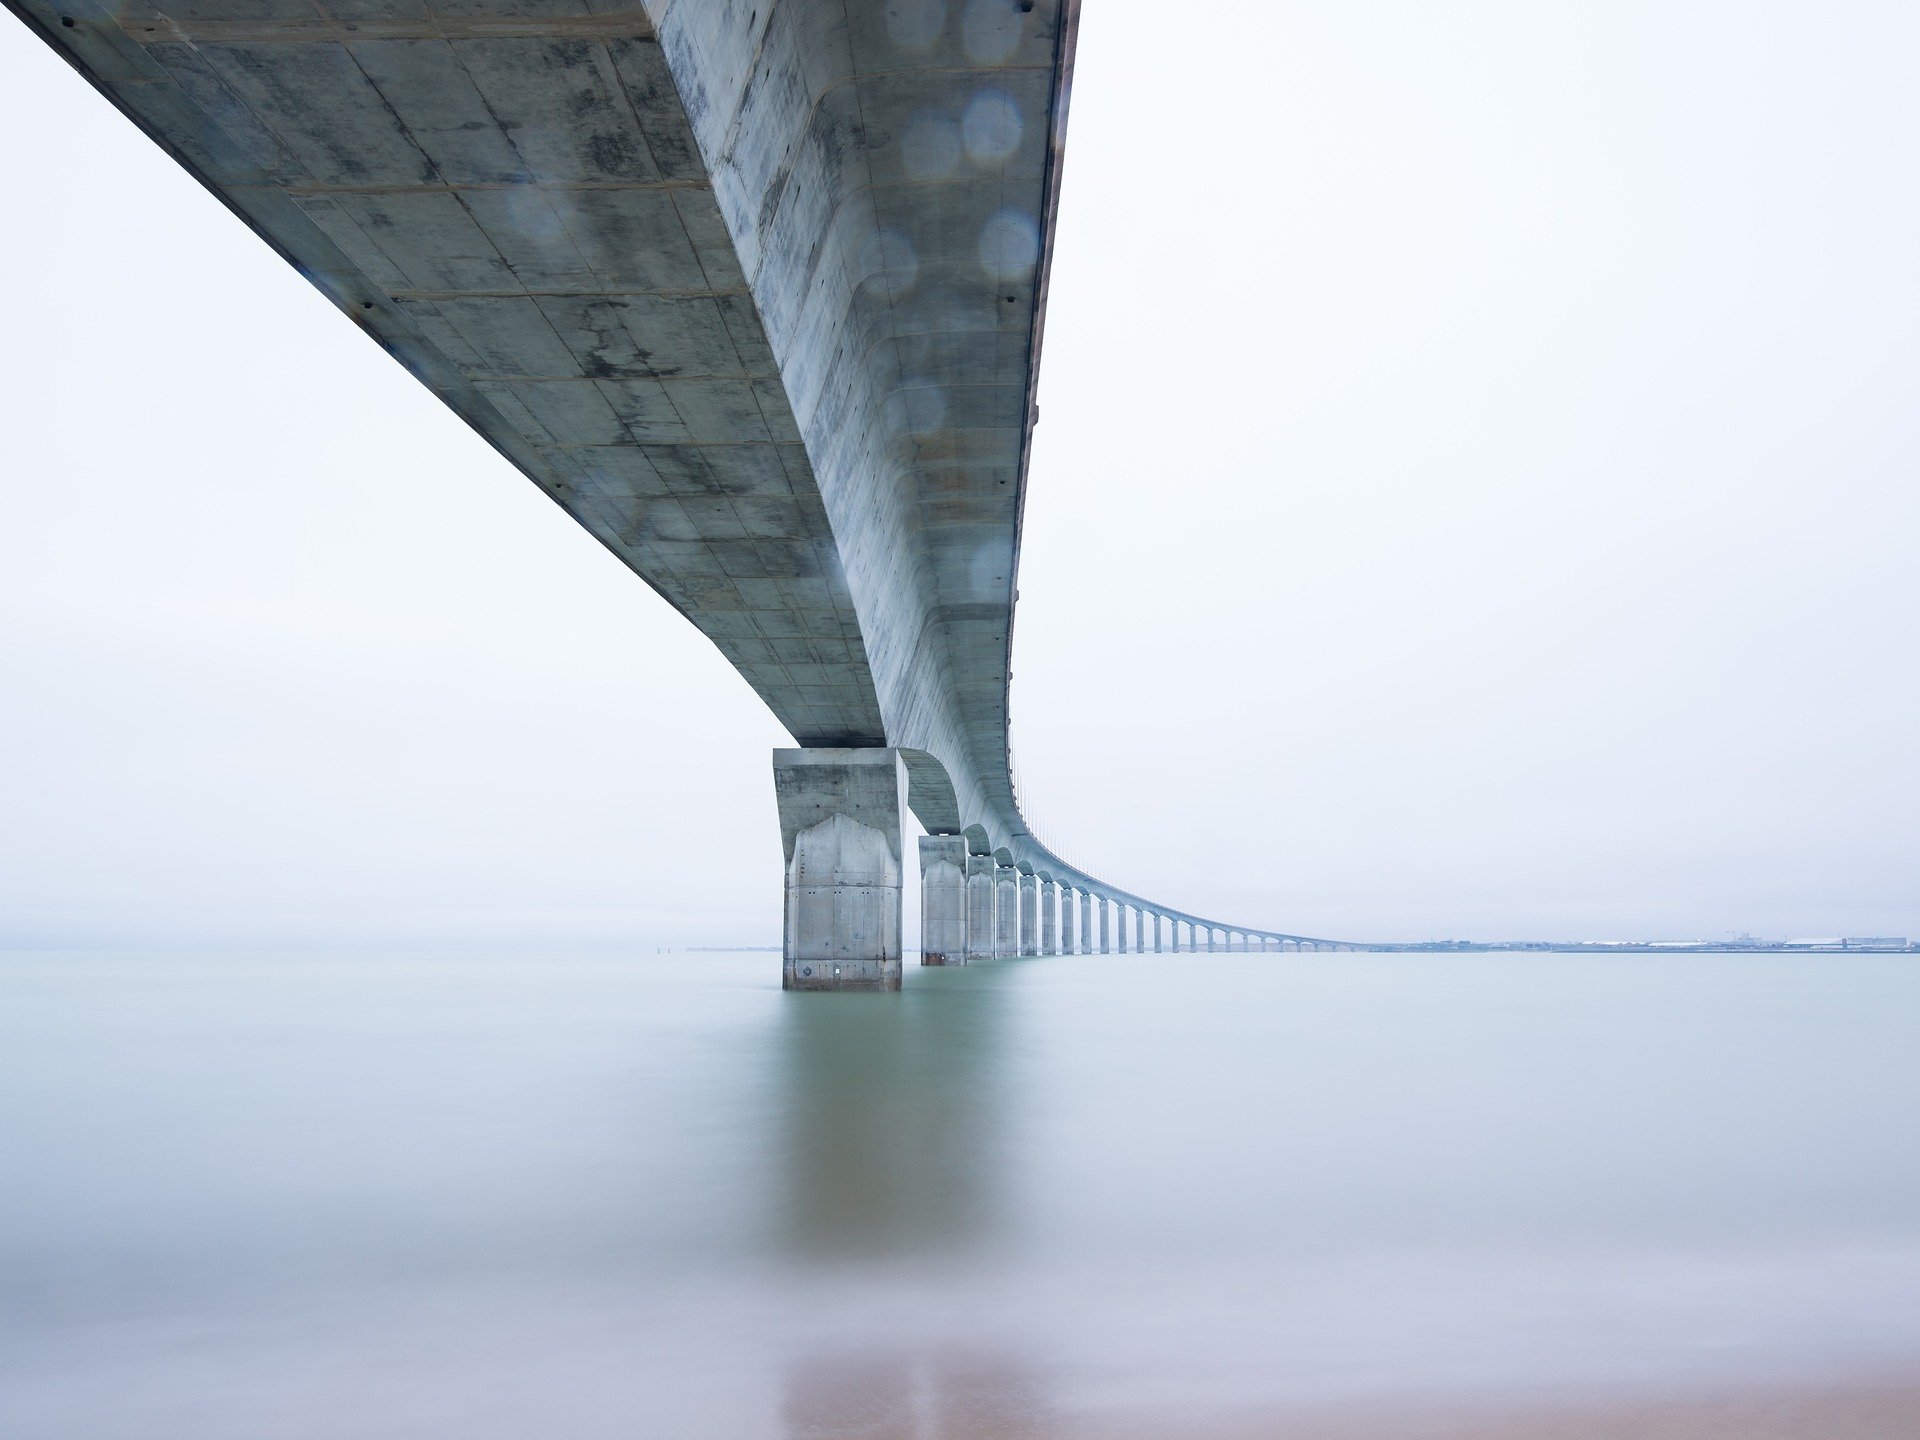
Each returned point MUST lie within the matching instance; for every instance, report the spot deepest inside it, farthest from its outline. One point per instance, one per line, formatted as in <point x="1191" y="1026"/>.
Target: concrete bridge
<point x="754" y="291"/>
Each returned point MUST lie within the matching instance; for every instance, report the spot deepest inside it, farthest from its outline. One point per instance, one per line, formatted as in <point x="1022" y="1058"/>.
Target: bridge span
<point x="754" y="291"/>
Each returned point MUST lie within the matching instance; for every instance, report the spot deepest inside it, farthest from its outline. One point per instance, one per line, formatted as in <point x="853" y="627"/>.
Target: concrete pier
<point x="1006" y="911"/>
<point x="943" y="900"/>
<point x="1106" y="925"/>
<point x="1029" y="913"/>
<point x="1139" y="931"/>
<point x="981" y="927"/>
<point x="1049" y="917"/>
<point x="1157" y="944"/>
<point x="1086" y="922"/>
<point x="1068" y="944"/>
<point x="841" y="814"/>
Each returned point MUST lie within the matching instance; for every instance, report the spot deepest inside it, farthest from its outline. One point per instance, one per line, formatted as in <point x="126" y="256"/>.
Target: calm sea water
<point x="360" y="1196"/>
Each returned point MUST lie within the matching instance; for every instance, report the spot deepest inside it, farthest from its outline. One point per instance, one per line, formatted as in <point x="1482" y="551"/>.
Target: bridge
<point x="753" y="290"/>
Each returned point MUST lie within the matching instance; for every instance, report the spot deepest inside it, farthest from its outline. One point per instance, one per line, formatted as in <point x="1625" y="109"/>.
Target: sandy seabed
<point x="1882" y="1410"/>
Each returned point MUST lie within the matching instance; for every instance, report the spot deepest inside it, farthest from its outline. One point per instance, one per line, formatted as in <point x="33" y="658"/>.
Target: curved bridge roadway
<point x="754" y="290"/>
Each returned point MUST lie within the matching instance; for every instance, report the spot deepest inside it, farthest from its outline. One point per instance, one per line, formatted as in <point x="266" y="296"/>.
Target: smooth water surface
<point x="316" y="1197"/>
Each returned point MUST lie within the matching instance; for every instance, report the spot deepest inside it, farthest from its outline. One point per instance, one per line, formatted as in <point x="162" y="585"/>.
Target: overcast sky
<point x="1477" y="494"/>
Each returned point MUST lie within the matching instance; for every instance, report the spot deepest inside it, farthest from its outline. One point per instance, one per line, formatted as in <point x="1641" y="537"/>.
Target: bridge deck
<point x="753" y="289"/>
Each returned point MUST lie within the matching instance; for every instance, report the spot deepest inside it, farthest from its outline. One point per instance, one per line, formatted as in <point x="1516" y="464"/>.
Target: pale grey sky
<point x="1476" y="495"/>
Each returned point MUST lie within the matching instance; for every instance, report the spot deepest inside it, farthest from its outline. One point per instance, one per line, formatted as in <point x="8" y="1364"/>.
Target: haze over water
<point x="321" y="1196"/>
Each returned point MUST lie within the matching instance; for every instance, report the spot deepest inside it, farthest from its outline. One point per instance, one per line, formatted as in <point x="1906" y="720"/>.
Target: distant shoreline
<point x="1892" y="946"/>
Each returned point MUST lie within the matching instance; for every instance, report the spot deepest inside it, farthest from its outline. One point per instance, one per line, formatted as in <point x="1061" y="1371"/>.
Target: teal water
<point x="327" y="1196"/>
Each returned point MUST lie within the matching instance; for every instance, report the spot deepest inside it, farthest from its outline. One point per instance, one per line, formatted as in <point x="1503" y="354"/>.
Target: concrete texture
<point x="751" y="289"/>
<point x="1029" y="914"/>
<point x="841" y="822"/>
<point x="982" y="900"/>
<point x="1006" y="911"/>
<point x="943" y="900"/>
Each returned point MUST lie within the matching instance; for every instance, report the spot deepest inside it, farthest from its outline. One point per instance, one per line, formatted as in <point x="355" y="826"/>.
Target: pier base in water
<point x="841" y="817"/>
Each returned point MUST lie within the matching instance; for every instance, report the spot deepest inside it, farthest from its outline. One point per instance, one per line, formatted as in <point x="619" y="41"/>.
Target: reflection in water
<point x="901" y="1395"/>
<point x="894" y="1128"/>
<point x="892" y="1122"/>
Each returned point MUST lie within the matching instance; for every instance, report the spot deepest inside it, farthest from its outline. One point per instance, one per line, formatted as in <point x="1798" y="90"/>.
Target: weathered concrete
<point x="943" y="900"/>
<point x="1068" y="943"/>
<point x="1049" y="917"/>
<point x="982" y="905"/>
<point x="1086" y="923"/>
<point x="1157" y="945"/>
<point x="1106" y="926"/>
<point x="1006" y="912"/>
<point x="841" y="819"/>
<point x="1029" y="913"/>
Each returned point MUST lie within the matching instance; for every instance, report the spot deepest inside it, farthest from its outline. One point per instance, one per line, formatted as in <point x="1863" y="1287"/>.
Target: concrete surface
<point x="841" y="822"/>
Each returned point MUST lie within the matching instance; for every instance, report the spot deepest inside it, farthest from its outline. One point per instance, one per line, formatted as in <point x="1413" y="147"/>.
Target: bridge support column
<point x="840" y="829"/>
<point x="1067" y="946"/>
<point x="1210" y="944"/>
<point x="1049" y="918"/>
<point x="1006" y="911"/>
<point x="1029" y="914"/>
<point x="980" y="897"/>
<point x="1156" y="934"/>
<point x="1086" y="923"/>
<point x="943" y="900"/>
<point x="1106" y="930"/>
<point x="1119" y="928"/>
<point x="1139" y="932"/>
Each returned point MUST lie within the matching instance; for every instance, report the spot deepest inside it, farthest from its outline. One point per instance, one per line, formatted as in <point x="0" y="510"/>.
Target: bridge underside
<point x="752" y="289"/>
